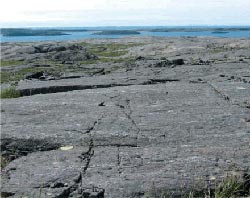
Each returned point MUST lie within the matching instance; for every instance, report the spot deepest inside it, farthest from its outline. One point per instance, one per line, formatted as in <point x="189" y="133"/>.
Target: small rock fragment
<point x="66" y="148"/>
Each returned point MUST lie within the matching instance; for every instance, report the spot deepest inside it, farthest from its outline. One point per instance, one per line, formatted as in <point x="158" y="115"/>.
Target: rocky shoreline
<point x="124" y="117"/>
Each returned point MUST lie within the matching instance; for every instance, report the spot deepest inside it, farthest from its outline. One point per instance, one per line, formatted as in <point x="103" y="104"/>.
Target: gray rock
<point x="141" y="135"/>
<point x="36" y="75"/>
<point x="130" y="129"/>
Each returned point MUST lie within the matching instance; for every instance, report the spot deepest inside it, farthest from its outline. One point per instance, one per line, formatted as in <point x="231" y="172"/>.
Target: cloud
<point x="124" y="12"/>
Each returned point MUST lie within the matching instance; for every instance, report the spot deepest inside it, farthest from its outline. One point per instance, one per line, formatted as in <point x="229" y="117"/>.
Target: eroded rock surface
<point x="135" y="129"/>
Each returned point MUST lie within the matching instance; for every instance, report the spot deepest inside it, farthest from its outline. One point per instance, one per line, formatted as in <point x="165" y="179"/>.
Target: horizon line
<point x="201" y="25"/>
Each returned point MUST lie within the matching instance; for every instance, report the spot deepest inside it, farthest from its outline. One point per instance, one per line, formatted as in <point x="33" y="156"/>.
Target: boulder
<point x="178" y="61"/>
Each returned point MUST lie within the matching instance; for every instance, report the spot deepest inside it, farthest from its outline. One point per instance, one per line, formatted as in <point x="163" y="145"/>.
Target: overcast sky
<point x="58" y="13"/>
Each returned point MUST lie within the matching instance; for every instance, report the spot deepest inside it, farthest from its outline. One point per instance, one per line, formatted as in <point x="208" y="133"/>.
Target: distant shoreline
<point x="8" y="32"/>
<point x="67" y="34"/>
<point x="116" y="32"/>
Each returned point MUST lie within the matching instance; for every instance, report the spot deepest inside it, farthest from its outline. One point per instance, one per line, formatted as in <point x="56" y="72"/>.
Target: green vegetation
<point x="106" y="52"/>
<point x="5" y="77"/>
<point x="3" y="162"/>
<point x="109" y="49"/>
<point x="126" y="59"/>
<point x="106" y="60"/>
<point x="10" y="62"/>
<point x="8" y="76"/>
<point x="231" y="187"/>
<point x="100" y="60"/>
<point x="19" y="74"/>
<point x="31" y="32"/>
<point x="10" y="93"/>
<point x="117" y="32"/>
<point x="38" y="32"/>
<point x="113" y="53"/>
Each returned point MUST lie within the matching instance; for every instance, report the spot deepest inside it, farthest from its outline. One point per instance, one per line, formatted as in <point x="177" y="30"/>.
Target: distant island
<point x="195" y="29"/>
<point x="31" y="32"/>
<point x="37" y="32"/>
<point x="220" y="32"/>
<point x="72" y="33"/>
<point x="117" y="32"/>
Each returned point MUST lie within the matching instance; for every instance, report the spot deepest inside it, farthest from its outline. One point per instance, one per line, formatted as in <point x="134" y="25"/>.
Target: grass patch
<point x="3" y="162"/>
<point x="106" y="52"/>
<point x="114" y="53"/>
<point x="233" y="187"/>
<point x="89" y="62"/>
<point x="109" y="49"/>
<point x="107" y="60"/>
<point x="11" y="92"/>
<point x="126" y="60"/>
<point x="230" y="187"/>
<point x="5" y="77"/>
<point x="8" y="76"/>
<point x="13" y="76"/>
<point x="5" y="63"/>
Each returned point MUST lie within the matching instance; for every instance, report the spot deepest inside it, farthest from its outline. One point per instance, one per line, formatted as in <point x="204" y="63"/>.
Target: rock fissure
<point x="127" y="111"/>
<point x="164" y="124"/>
<point x="66" y="88"/>
<point x="85" y="158"/>
<point x="118" y="159"/>
<point x="224" y="96"/>
<point x="91" y="128"/>
<point x="117" y="145"/>
<point x="13" y="148"/>
<point x="219" y="92"/>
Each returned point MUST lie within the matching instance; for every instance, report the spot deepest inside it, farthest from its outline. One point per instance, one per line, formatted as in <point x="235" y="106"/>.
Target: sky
<point x="87" y="13"/>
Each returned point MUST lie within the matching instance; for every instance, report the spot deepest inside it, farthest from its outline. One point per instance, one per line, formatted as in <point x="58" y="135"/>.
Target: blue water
<point x="89" y="34"/>
<point x="233" y="34"/>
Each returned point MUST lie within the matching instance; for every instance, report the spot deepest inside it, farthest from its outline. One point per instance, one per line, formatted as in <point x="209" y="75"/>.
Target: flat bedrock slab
<point x="165" y="135"/>
<point x="133" y="130"/>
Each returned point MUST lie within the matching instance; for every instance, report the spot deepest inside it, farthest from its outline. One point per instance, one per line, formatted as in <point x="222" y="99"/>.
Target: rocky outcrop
<point x="73" y="56"/>
<point x="137" y="128"/>
<point x="50" y="51"/>
<point x="170" y="63"/>
<point x="14" y="148"/>
<point x="142" y="137"/>
<point x="46" y="49"/>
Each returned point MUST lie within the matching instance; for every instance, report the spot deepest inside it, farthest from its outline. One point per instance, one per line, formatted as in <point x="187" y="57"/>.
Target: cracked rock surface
<point x="134" y="130"/>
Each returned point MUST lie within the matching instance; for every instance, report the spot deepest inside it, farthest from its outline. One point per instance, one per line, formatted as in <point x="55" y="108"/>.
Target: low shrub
<point x="11" y="92"/>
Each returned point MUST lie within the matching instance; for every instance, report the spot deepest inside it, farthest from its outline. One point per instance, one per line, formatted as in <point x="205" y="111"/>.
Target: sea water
<point x="89" y="34"/>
